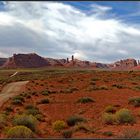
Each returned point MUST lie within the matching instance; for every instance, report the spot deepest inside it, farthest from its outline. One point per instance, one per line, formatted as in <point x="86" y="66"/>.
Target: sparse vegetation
<point x="110" y="109"/>
<point x="67" y="133"/>
<point x="71" y="121"/>
<point x="85" y="100"/>
<point x="130" y="134"/>
<point x="118" y="86"/>
<point x="108" y="133"/>
<point x="3" y="119"/>
<point x="103" y="87"/>
<point x="122" y="116"/>
<point x="46" y="92"/>
<point x="44" y="101"/>
<point x="134" y="101"/>
<point x="31" y="110"/>
<point x="108" y="118"/>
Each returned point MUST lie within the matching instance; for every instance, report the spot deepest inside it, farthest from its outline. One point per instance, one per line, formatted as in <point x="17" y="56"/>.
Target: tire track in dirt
<point x="11" y="90"/>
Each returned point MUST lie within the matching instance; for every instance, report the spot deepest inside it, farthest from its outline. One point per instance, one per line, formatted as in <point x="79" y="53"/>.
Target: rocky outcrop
<point x="31" y="60"/>
<point x="125" y="64"/>
<point x="56" y="62"/>
<point x="77" y="63"/>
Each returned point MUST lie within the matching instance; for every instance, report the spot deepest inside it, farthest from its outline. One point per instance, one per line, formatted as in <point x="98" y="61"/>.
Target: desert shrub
<point x="3" y="119"/>
<point x="108" y="133"/>
<point x="83" y="127"/>
<point x="40" y="117"/>
<point x="92" y="83"/>
<point x="124" y="116"/>
<point x="44" y="101"/>
<point x="34" y="93"/>
<point x="85" y="100"/>
<point x="19" y="132"/>
<point x="134" y="101"/>
<point x="59" y="125"/>
<point x="26" y="120"/>
<point x="137" y="87"/>
<point x="71" y="121"/>
<point x="110" y="109"/>
<point x="33" y="111"/>
<point x="17" y="102"/>
<point x="69" y="90"/>
<point x="108" y="118"/>
<point x="118" y="86"/>
<point x="130" y="133"/>
<point x="67" y="133"/>
<point x="103" y="87"/>
<point x="9" y="109"/>
<point x="28" y="96"/>
<point x="18" y="97"/>
<point x="95" y="79"/>
<point x="46" y="93"/>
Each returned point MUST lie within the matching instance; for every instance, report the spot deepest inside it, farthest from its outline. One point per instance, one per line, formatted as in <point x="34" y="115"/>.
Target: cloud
<point x="55" y="29"/>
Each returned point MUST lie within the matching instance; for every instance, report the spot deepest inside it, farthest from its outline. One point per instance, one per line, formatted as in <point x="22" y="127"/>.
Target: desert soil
<point x="63" y="103"/>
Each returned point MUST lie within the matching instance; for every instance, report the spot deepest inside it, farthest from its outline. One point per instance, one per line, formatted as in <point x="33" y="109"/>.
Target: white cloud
<point x="58" y="30"/>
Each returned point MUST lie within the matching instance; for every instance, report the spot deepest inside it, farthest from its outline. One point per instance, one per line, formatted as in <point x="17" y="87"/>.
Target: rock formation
<point x="31" y="60"/>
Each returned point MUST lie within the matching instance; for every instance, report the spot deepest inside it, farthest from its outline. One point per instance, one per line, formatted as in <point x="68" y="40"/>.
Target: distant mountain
<point x="32" y="60"/>
<point x="2" y="61"/>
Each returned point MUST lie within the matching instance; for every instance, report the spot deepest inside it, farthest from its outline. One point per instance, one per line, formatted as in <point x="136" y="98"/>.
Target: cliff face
<point x="26" y="61"/>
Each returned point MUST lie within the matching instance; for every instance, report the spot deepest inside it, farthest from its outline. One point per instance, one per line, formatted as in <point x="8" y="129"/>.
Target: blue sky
<point x="119" y="8"/>
<point x="95" y="31"/>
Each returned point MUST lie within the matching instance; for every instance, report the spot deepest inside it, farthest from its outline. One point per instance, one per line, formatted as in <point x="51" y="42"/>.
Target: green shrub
<point x="32" y="110"/>
<point x="18" y="97"/>
<point x="71" y="121"/>
<point x="134" y="101"/>
<point x="118" y="86"/>
<point x="130" y="134"/>
<point x="110" y="109"/>
<point x="83" y="127"/>
<point x="103" y="87"/>
<point x="108" y="133"/>
<point x="40" y="117"/>
<point x="3" y="119"/>
<point x="137" y="87"/>
<point x="19" y="132"/>
<point x="67" y="133"/>
<point x="26" y="120"/>
<point x="59" y="125"/>
<point x="95" y="79"/>
<point x="9" y="109"/>
<point x="44" y="101"/>
<point x="92" y="83"/>
<point x="46" y="93"/>
<point x="108" y="118"/>
<point x="85" y="100"/>
<point x="124" y="116"/>
<point x="17" y="102"/>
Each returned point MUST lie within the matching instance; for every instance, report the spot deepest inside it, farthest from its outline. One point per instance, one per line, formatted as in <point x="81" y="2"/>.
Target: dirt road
<point x="11" y="90"/>
<point x="14" y="74"/>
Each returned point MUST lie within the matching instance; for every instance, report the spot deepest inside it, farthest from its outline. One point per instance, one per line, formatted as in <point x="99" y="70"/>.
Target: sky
<point x="95" y="31"/>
